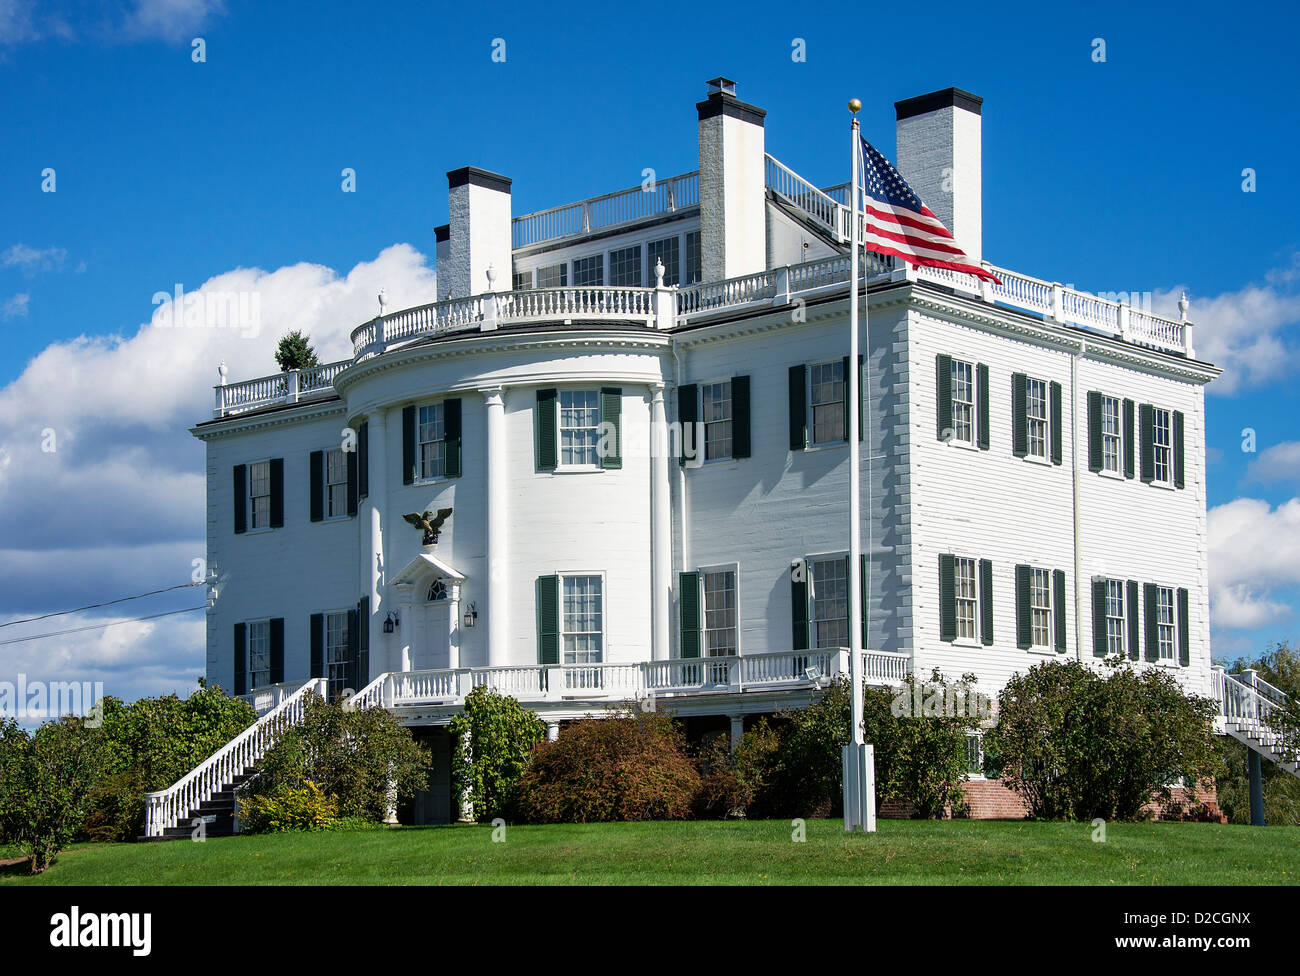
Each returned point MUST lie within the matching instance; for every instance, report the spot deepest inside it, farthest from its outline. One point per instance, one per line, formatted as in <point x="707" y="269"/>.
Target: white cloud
<point x="24" y="22"/>
<point x="1281" y="462"/>
<point x="171" y="19"/>
<point x="1254" y="549"/>
<point x="15" y="307"/>
<point x="30" y="260"/>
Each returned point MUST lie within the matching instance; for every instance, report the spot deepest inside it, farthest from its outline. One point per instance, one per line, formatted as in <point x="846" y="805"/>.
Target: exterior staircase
<point x="1247" y="706"/>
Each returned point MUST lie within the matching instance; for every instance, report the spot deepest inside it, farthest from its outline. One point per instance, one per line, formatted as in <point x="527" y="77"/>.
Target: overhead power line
<point x="113" y="623"/>
<point x="106" y="603"/>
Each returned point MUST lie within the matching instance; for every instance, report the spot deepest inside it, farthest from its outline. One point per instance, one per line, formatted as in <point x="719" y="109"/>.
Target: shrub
<point x="361" y="757"/>
<point x="500" y="735"/>
<point x="288" y="808"/>
<point x="294" y="351"/>
<point x="626" y="767"/>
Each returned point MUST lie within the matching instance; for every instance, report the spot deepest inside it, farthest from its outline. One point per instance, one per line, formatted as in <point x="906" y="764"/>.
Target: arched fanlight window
<point x="438" y="590"/>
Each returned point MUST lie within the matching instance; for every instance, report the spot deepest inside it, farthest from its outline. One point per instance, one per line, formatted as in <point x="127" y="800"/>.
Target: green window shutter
<point x="1146" y="431"/>
<point x="363" y="459"/>
<point x="862" y="397"/>
<point x="451" y="437"/>
<point x="1058" y="608"/>
<point x="986" y="602"/>
<point x="1131" y="610"/>
<point x="408" y="445"/>
<point x="1184" y="634"/>
<point x="1128" y="439"/>
<point x="241" y="658"/>
<point x="1100" y="645"/>
<point x="544" y="426"/>
<point x="799" y="612"/>
<point x="947" y="597"/>
<point x="1153" y="631"/>
<point x="316" y="491"/>
<point x="844" y="372"/>
<point x="740" y="416"/>
<point x="241" y="498"/>
<point x="1178" y="449"/>
<point x="611" y="418"/>
<point x="354" y="650"/>
<point x="1019" y="415"/>
<point x="1024" y="610"/>
<point x="363" y="642"/>
<point x="1095" y="459"/>
<point x="548" y="620"/>
<point x="943" y="396"/>
<point x="277" y="492"/>
<point x="1054" y="397"/>
<point x="982" y="391"/>
<point x="688" y="415"/>
<point x="352" y="481"/>
<point x="277" y="650"/>
<point x="688" y="612"/>
<point x="798" y="408"/>
<point x="317" y="631"/>
<point x="863" y="588"/>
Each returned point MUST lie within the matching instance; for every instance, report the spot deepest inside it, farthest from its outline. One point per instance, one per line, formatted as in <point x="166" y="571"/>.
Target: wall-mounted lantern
<point x="471" y="615"/>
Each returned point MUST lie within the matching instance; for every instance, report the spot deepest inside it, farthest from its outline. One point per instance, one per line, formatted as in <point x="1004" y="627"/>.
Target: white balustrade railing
<point x="165" y="808"/>
<point x="265" y="699"/>
<point x="609" y="210"/>
<point x="789" y="185"/>
<point x="287" y="387"/>
<point x="885" y="667"/>
<point x="760" y="287"/>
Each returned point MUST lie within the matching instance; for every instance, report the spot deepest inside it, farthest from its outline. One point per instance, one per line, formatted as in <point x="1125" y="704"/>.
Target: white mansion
<point x="1033" y="465"/>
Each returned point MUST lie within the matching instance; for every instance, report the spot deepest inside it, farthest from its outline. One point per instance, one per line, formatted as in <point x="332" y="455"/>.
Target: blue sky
<point x="1124" y="175"/>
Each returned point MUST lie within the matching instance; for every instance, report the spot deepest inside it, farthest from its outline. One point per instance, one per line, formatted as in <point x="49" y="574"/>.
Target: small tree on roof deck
<point x="295" y="352"/>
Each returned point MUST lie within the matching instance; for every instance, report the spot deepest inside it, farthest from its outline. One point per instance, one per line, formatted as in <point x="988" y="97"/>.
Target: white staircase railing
<point x="165" y="808"/>
<point x="1250" y="710"/>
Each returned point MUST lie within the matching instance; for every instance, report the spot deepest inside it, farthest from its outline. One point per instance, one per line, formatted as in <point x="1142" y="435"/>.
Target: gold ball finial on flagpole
<point x="855" y="105"/>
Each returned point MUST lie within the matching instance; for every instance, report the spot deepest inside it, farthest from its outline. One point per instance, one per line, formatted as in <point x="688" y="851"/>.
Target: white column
<point x="552" y="731"/>
<point x="405" y="628"/>
<point x="498" y="602"/>
<point x="661" y="538"/>
<point x="737" y="730"/>
<point x="453" y="626"/>
<point x="377" y="502"/>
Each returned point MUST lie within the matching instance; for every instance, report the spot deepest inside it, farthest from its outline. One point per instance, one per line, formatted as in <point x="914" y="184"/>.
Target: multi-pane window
<point x="1115" y="620"/>
<point x="553" y="276"/>
<point x="716" y="403"/>
<point x="336" y="483"/>
<point x="522" y="280"/>
<point x="1111" y="439"/>
<point x="720" y="612"/>
<point x="667" y="252"/>
<point x="830" y="602"/>
<point x="965" y="590"/>
<point x="963" y="401"/>
<point x="1040" y="604"/>
<point x="589" y="270"/>
<point x="693" y="258"/>
<point x="430" y="441"/>
<point x="583" y="623"/>
<point x="338" y="652"/>
<point x="579" y="427"/>
<point x="827" y="402"/>
<point x="1162" y="441"/>
<point x="625" y="267"/>
<point x="1036" y="411"/>
<point x="974" y="755"/>
<point x="1165" y="627"/>
<point x="259" y="654"/>
<point x="259" y="494"/>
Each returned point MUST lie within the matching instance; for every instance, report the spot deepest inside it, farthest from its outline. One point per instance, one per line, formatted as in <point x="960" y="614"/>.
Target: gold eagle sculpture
<point x="430" y="523"/>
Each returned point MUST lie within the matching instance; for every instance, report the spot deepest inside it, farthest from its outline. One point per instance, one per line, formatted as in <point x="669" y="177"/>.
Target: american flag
<point x="898" y="223"/>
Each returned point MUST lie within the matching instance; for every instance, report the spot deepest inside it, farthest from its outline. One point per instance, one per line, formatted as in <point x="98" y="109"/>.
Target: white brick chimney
<point x="939" y="155"/>
<point x="479" y="238"/>
<point x="733" y="203"/>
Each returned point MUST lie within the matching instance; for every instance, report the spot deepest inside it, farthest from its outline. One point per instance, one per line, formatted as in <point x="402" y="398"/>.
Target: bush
<point x="1078" y="744"/>
<point x="288" y="808"/>
<point x="500" y="735"/>
<point x="357" y="756"/>
<point x="626" y="767"/>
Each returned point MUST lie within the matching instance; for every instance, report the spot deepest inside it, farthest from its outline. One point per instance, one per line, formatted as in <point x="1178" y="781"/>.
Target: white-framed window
<point x="582" y="620"/>
<point x="1162" y="441"/>
<point x="338" y="651"/>
<point x="963" y="401"/>
<point x="625" y="266"/>
<point x="720" y="631"/>
<point x="829" y="601"/>
<point x="1166" y="628"/>
<point x="430" y="441"/>
<point x="1036" y="412"/>
<point x="336" y="483"/>
<point x="1116" y="621"/>
<point x="826" y="401"/>
<point x="589" y="271"/>
<point x="715" y="409"/>
<point x="259" y="494"/>
<point x="437" y="590"/>
<point x="259" y="654"/>
<point x="966" y="591"/>
<point x="975" y="755"/>
<point x="1112" y="440"/>
<point x="522" y="281"/>
<point x="553" y="276"/>
<point x="693" y="257"/>
<point x="579" y="428"/>
<point x="1040" y="608"/>
<point x="668" y="251"/>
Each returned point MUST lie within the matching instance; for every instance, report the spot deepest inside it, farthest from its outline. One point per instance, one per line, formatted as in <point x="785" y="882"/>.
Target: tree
<point x="295" y="352"/>
<point x="492" y="740"/>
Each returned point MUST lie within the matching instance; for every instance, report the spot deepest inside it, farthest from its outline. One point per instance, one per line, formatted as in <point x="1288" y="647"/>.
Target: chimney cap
<point x="474" y="176"/>
<point x="934" y="101"/>
<point x="722" y="101"/>
<point x="722" y="86"/>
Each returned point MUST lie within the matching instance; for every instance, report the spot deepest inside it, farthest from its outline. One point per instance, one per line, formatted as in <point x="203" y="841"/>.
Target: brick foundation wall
<point x="989" y="799"/>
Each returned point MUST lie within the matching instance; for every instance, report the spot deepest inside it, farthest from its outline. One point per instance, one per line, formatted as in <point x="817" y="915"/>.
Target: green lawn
<point x="902" y="852"/>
